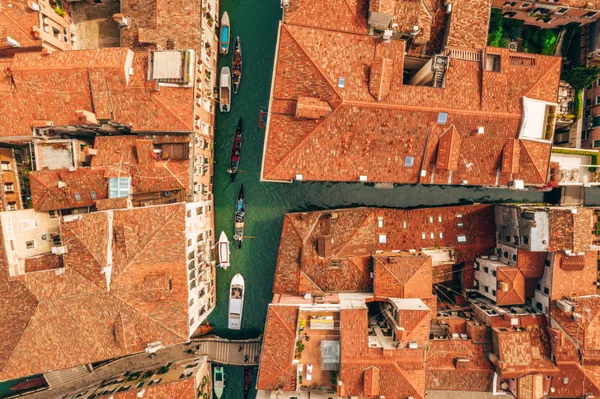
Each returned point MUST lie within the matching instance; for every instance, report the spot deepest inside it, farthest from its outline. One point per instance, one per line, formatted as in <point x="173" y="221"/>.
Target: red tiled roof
<point x="448" y="150"/>
<point x="96" y="81"/>
<point x="46" y="194"/>
<point x="371" y="382"/>
<point x="156" y="24"/>
<point x="355" y="234"/>
<point x="65" y="320"/>
<point x="349" y="15"/>
<point x="567" y="282"/>
<point x="367" y="137"/>
<point x="469" y="22"/>
<point x="584" y="331"/>
<point x="279" y="342"/>
<point x="515" y="286"/>
<point x="531" y="264"/>
<point x="510" y="156"/>
<point x="17" y="22"/>
<point x="570" y="231"/>
<point x="458" y="365"/>
<point x="404" y="275"/>
<point x="402" y="370"/>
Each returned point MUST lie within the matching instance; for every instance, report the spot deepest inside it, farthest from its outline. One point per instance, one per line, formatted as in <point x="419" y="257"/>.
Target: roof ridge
<point x="388" y="270"/>
<point x="303" y="139"/>
<point x="401" y="371"/>
<point x="371" y="213"/>
<point x="165" y="166"/>
<point x="352" y="12"/>
<point x="24" y="329"/>
<point x="145" y="315"/>
<point x="542" y="77"/>
<point x="521" y="141"/>
<point x="20" y="27"/>
<point x="311" y="280"/>
<point x="315" y="64"/>
<point x="155" y="97"/>
<point x="167" y="220"/>
<point x="284" y="324"/>
<point x="374" y="104"/>
<point x="295" y="229"/>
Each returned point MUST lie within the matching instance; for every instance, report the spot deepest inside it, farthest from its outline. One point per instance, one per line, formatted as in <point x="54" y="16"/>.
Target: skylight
<point x="442" y="118"/>
<point x="341" y="82"/>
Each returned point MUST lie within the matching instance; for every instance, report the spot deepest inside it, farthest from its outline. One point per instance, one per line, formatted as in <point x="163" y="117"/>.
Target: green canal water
<point x="256" y="22"/>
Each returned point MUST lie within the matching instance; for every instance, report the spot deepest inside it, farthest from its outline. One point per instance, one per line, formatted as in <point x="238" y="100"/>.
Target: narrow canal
<point x="256" y="23"/>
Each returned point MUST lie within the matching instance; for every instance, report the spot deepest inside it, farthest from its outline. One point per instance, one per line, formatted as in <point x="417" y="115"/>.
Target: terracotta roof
<point x="180" y="389"/>
<point x="510" y="156"/>
<point x="97" y="82"/>
<point x="380" y="77"/>
<point x="347" y="16"/>
<point x="448" y="150"/>
<point x="332" y="61"/>
<point x="570" y="231"/>
<point x="17" y="22"/>
<point x="312" y="108"/>
<point x="469" y="21"/>
<point x="65" y="320"/>
<point x="584" y="330"/>
<point x="523" y="350"/>
<point x="356" y="236"/>
<point x="279" y="342"/>
<point x="402" y="370"/>
<point x="371" y="382"/>
<point x="511" y="286"/>
<point x="404" y="275"/>
<point x="46" y="194"/>
<point x="568" y="282"/>
<point x="156" y="24"/>
<point x="531" y="264"/>
<point x="458" y="365"/>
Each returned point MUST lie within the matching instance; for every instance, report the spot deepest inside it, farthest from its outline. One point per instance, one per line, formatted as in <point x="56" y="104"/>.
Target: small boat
<point x="29" y="383"/>
<point x="225" y="90"/>
<point x="203" y="330"/>
<point x="237" y="65"/>
<point x="218" y="381"/>
<point x="224" y="38"/>
<point x="235" y="151"/>
<point x="236" y="302"/>
<point x="247" y="380"/>
<point x="223" y="251"/>
<point x="240" y="209"/>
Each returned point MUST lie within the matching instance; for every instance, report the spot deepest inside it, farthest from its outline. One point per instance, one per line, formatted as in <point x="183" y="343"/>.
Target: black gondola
<point x="240" y="210"/>
<point x="237" y="65"/>
<point x="235" y="151"/>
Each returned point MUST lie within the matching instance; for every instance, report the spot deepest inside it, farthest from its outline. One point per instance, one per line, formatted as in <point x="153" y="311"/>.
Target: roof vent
<point x="412" y="345"/>
<point x="34" y="6"/>
<point x="62" y="184"/>
<point x="12" y="42"/>
<point x="480" y="130"/>
<point x="120" y="19"/>
<point x="299" y="177"/>
<point x="362" y="178"/>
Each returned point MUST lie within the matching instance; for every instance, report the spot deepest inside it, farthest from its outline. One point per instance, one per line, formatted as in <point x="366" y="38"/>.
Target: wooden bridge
<point x="231" y="352"/>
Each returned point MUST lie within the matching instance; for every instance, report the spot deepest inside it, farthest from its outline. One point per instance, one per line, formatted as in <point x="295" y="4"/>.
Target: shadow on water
<point x="256" y="23"/>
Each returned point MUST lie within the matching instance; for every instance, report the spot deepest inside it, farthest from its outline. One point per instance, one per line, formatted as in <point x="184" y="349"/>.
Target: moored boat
<point x="247" y="380"/>
<point x="225" y="90"/>
<point x="236" y="151"/>
<point x="218" y="381"/>
<point x="237" y="65"/>
<point x="236" y="302"/>
<point x="225" y="33"/>
<point x="223" y="247"/>
<point x="240" y="210"/>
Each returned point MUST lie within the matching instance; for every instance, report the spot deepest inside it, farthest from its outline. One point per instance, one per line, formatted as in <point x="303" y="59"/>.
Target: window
<point x="199" y="210"/>
<point x="431" y="235"/>
<point x="461" y="238"/>
<point x="526" y="240"/>
<point x="476" y="266"/>
<point x="6" y="165"/>
<point x="546" y="291"/>
<point x="562" y="10"/>
<point x="494" y="292"/>
<point x="430" y="219"/>
<point x="596" y="143"/>
<point x="441" y="234"/>
<point x="442" y="118"/>
<point x="77" y="197"/>
<point x="380" y="222"/>
<point x="30" y="244"/>
<point x="538" y="287"/>
<point x="547" y="262"/>
<point x="590" y="14"/>
<point x="200" y="237"/>
<point x="382" y="238"/>
<point x="588" y="102"/>
<point x="188" y="213"/>
<point x="538" y="306"/>
<point x="9" y="187"/>
<point x="510" y="3"/>
<point x="516" y="238"/>
<point x="486" y="269"/>
<point x="505" y="254"/>
<point x="587" y="113"/>
<point x="514" y="257"/>
<point x="189" y="242"/>
<point x="597" y="100"/>
<point x="492" y="63"/>
<point x="494" y="273"/>
<point x="486" y="288"/>
<point x="507" y="238"/>
<point x="11" y="206"/>
<point x="93" y="195"/>
<point x="119" y="187"/>
<point x="191" y="255"/>
<point x="341" y="83"/>
<point x="192" y="301"/>
<point x="525" y="5"/>
<point x="409" y="161"/>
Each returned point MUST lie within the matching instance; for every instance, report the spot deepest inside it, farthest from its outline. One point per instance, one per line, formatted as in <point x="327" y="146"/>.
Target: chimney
<point x="86" y="117"/>
<point x="120" y="19"/>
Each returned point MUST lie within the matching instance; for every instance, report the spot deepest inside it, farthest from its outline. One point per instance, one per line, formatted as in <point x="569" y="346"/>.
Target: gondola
<point x="240" y="210"/>
<point x="236" y="151"/>
<point x="237" y="65"/>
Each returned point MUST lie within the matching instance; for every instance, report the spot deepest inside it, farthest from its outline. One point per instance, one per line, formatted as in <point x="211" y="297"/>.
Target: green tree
<point x="581" y="77"/>
<point x="495" y="28"/>
<point x="512" y="28"/>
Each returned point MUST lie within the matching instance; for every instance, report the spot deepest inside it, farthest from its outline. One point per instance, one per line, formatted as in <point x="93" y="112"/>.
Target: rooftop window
<point x="93" y="195"/>
<point x="492" y="63"/>
<point x="341" y="83"/>
<point x="77" y="197"/>
<point x="409" y="161"/>
<point x="461" y="238"/>
<point x="442" y="118"/>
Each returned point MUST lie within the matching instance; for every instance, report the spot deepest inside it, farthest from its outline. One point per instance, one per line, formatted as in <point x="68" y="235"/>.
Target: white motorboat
<point x="236" y="302"/>
<point x="223" y="246"/>
<point x="224" y="37"/>
<point x="218" y="381"/>
<point x="225" y="90"/>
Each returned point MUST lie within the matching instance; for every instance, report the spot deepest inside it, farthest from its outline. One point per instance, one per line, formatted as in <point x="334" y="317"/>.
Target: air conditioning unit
<point x="577" y="317"/>
<point x="61" y="184"/>
<point x="34" y="6"/>
<point x="362" y="178"/>
<point x="565" y="306"/>
<point x="59" y="250"/>
<point x="412" y="345"/>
